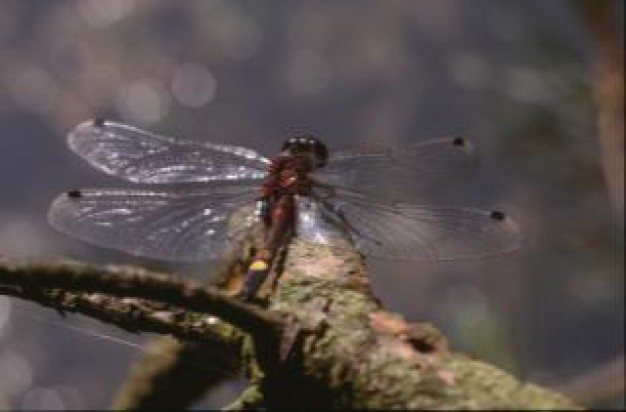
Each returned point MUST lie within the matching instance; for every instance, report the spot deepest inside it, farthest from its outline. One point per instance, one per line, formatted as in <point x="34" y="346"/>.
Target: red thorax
<point x="287" y="174"/>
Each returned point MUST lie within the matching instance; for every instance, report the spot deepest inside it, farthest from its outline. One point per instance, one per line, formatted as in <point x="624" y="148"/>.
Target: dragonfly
<point x="190" y="191"/>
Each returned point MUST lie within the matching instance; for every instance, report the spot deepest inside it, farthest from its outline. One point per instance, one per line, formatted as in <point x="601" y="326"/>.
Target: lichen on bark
<point x="354" y="354"/>
<point x="322" y="341"/>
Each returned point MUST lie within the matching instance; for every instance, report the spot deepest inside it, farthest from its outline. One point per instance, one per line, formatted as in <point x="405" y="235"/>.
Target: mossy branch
<point x="172" y="373"/>
<point x="130" y="314"/>
<point x="351" y="353"/>
<point x="338" y="348"/>
<point x="129" y="281"/>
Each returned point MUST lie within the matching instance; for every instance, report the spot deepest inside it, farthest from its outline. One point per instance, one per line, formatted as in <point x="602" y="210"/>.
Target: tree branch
<point x="212" y="350"/>
<point x="353" y="354"/>
<point x="128" y="281"/>
<point x="175" y="381"/>
<point x="131" y="314"/>
<point x="338" y="347"/>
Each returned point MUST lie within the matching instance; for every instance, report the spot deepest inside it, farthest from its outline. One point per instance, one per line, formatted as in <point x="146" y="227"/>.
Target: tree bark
<point x="327" y="342"/>
<point x="351" y="353"/>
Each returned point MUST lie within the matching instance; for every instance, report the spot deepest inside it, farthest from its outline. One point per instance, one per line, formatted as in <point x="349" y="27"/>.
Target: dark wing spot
<point x="458" y="141"/>
<point x="99" y="121"/>
<point x="497" y="215"/>
<point x="74" y="194"/>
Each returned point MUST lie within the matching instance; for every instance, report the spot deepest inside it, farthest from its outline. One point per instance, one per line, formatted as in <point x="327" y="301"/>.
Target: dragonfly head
<point x="307" y="144"/>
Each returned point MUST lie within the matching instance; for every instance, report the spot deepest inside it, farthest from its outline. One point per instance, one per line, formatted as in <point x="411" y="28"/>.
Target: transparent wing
<point x="168" y="225"/>
<point x="143" y="157"/>
<point x="364" y="169"/>
<point x="424" y="233"/>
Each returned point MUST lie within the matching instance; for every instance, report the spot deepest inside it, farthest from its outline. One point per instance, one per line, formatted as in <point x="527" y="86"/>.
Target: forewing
<point x="143" y="157"/>
<point x="366" y="168"/>
<point x="168" y="225"/>
<point x="424" y="233"/>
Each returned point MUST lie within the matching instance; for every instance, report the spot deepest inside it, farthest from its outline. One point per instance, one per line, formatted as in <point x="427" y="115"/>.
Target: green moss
<point x="358" y="367"/>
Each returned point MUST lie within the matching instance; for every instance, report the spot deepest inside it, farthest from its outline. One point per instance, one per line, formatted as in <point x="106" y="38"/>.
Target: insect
<point x="194" y="188"/>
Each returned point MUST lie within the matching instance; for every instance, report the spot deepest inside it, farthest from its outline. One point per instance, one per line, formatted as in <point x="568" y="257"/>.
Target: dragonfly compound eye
<point x="290" y="144"/>
<point x="307" y="143"/>
<point x="297" y="143"/>
<point x="319" y="150"/>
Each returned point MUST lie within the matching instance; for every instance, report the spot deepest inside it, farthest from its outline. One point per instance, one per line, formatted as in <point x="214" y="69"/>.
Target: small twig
<point x="132" y="315"/>
<point x="128" y="281"/>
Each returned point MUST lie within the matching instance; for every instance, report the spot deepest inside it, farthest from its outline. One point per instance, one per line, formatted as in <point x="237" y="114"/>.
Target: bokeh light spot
<point x="34" y="89"/>
<point x="19" y="237"/>
<point x="468" y="304"/>
<point x="42" y="399"/>
<point x="193" y="85"/>
<point x="526" y="85"/>
<point x="16" y="372"/>
<point x="145" y="101"/>
<point x="100" y="13"/>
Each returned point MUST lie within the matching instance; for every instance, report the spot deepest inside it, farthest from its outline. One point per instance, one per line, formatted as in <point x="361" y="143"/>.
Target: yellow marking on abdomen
<point x="258" y="265"/>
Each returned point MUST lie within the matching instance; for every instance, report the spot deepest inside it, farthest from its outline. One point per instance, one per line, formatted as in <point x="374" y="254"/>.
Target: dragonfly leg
<point x="264" y="210"/>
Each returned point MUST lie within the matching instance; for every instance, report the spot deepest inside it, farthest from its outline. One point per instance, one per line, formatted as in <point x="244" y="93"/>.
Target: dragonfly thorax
<point x="307" y="144"/>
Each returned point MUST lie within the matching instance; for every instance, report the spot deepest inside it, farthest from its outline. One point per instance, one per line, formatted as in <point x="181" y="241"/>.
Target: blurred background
<point x="536" y="85"/>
